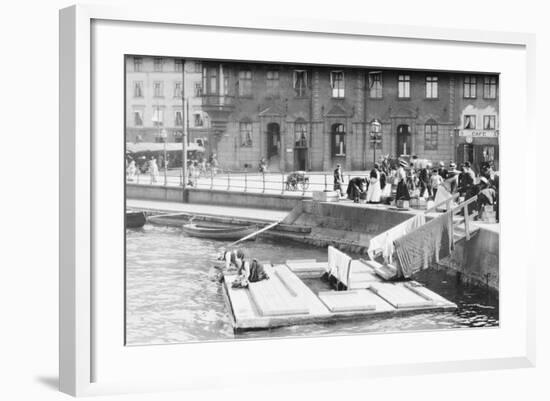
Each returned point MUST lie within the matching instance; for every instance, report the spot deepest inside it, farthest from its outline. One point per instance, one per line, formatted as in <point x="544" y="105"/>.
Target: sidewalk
<point x="267" y="215"/>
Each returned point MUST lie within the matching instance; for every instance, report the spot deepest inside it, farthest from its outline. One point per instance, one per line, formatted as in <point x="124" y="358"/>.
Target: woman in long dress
<point x="153" y="170"/>
<point x="374" y="192"/>
<point x="402" y="190"/>
<point x="131" y="171"/>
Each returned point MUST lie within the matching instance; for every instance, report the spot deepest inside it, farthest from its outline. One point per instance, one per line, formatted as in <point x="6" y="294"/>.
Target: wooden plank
<point x="300" y="261"/>
<point x="307" y="296"/>
<point x="346" y="301"/>
<point x="399" y="296"/>
<point x="307" y="266"/>
<point x="272" y="298"/>
<point x="241" y="303"/>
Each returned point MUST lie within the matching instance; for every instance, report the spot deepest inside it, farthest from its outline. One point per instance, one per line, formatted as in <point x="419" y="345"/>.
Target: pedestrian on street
<point x="338" y="180"/>
<point x="451" y="182"/>
<point x="435" y="181"/>
<point x="131" y="170"/>
<point x="424" y="180"/>
<point x="357" y="188"/>
<point x="442" y="171"/>
<point x="402" y="190"/>
<point x="262" y="167"/>
<point x="153" y="170"/>
<point x="374" y="192"/>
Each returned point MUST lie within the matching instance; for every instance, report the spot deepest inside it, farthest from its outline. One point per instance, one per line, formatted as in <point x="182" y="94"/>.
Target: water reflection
<point x="170" y="298"/>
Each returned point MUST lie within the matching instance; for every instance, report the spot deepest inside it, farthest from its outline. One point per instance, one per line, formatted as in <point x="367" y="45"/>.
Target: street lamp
<point x="164" y="136"/>
<point x="375" y="136"/>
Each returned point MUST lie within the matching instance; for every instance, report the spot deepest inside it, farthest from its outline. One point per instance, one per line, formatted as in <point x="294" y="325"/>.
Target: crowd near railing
<point x="294" y="183"/>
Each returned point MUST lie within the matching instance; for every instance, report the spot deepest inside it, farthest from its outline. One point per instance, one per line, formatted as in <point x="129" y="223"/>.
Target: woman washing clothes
<point x="357" y="186"/>
<point x="250" y="271"/>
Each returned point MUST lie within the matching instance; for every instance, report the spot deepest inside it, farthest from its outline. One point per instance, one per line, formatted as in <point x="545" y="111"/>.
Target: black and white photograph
<point x="269" y="200"/>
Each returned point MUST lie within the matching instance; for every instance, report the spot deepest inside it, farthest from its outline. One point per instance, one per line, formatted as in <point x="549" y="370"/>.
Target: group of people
<point x="151" y="166"/>
<point x="402" y="180"/>
<point x="248" y="270"/>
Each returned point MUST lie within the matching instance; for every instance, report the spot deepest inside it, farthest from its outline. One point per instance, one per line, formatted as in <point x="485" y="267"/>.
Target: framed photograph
<point x="289" y="200"/>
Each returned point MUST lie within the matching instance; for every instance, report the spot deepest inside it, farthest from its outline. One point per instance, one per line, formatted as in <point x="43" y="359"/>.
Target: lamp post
<point x="375" y="137"/>
<point x="164" y="137"/>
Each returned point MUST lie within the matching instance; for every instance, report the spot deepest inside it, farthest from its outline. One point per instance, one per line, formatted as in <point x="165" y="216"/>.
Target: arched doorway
<point x="273" y="139"/>
<point x="404" y="141"/>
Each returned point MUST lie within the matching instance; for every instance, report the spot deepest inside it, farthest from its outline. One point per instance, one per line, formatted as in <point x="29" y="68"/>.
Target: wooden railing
<point x="463" y="208"/>
<point x="446" y="202"/>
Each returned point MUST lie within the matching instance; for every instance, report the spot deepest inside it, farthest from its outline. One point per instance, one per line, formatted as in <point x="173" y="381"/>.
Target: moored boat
<point x="135" y="219"/>
<point x="218" y="232"/>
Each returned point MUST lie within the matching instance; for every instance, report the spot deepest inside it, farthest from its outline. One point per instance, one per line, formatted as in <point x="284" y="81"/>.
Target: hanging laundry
<point x="383" y="243"/>
<point x="431" y="242"/>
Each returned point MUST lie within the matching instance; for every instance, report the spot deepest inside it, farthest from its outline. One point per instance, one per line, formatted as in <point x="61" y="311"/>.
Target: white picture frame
<point x="93" y="359"/>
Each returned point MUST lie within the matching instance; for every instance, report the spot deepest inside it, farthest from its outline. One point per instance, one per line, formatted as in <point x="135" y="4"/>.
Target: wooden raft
<point x="286" y="300"/>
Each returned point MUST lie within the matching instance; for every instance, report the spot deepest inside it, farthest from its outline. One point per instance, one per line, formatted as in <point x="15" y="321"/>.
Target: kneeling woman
<point x="249" y="272"/>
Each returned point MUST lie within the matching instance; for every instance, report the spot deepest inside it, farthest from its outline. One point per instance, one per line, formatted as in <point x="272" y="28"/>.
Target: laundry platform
<point x="359" y="292"/>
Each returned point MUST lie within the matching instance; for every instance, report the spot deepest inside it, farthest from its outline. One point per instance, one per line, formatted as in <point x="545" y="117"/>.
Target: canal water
<point x="171" y="299"/>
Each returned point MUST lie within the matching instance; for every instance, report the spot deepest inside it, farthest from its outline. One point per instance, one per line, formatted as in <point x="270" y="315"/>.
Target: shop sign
<point x="479" y="134"/>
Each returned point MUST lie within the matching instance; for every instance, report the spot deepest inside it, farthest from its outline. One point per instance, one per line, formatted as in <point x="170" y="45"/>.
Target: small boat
<point x="218" y="232"/>
<point x="135" y="219"/>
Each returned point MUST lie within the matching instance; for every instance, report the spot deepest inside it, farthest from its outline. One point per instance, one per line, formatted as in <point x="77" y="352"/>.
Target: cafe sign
<point x="479" y="133"/>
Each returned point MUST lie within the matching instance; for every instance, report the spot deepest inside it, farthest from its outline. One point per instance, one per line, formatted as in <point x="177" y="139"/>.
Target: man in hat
<point x="486" y="194"/>
<point x="466" y="180"/>
<point x="338" y="180"/>
<point x="442" y="171"/>
<point x="451" y="182"/>
<point x="424" y="179"/>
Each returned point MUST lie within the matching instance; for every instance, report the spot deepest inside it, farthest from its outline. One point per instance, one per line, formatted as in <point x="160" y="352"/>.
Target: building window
<point x="300" y="82"/>
<point x="225" y="85"/>
<point x="245" y="83"/>
<point x="490" y="87"/>
<point x="404" y="86"/>
<point x="138" y="63"/>
<point x="158" y="90"/>
<point x="338" y="140"/>
<point x="178" y="65"/>
<point x="245" y="129"/>
<point x="212" y="81"/>
<point x="158" y="117"/>
<point x="337" y="83"/>
<point x="178" y="118"/>
<point x="177" y="90"/>
<point x="157" y="64"/>
<point x="470" y="87"/>
<point x="198" y="120"/>
<point x="375" y="85"/>
<point x="272" y="82"/>
<point x="469" y="122"/>
<point x="138" y="118"/>
<point x="300" y="134"/>
<point x="198" y="89"/>
<point x="431" y="136"/>
<point x="489" y="122"/>
<point x="432" y="87"/>
<point x="138" y="88"/>
<point x="198" y="66"/>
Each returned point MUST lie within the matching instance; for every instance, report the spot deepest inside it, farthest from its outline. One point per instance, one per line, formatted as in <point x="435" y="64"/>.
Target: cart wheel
<point x="304" y="185"/>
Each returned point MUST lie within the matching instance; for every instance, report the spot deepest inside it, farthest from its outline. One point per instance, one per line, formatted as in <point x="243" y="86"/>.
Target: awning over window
<point x="159" y="147"/>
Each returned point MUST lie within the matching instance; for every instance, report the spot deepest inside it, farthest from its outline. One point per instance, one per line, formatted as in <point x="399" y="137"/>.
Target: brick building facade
<point x="313" y="117"/>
